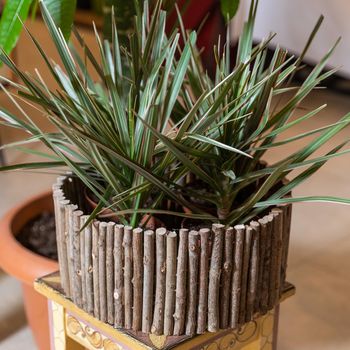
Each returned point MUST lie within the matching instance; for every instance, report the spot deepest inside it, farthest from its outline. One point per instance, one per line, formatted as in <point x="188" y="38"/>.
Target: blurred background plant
<point x="62" y="12"/>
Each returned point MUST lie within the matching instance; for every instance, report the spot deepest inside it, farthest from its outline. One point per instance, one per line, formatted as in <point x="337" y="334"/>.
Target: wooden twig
<point x="110" y="272"/>
<point x="128" y="297"/>
<point x="88" y="269"/>
<point x="193" y="262"/>
<point x="278" y="235"/>
<point x="102" y="270"/>
<point x="214" y="278"/>
<point x="170" y="282"/>
<point x="80" y="193"/>
<point x="137" y="252"/>
<point x="267" y="265"/>
<point x="63" y="236"/>
<point x="70" y="189"/>
<point x="204" y="234"/>
<point x="66" y="188"/>
<point x="253" y="271"/>
<point x="57" y="196"/>
<point x="237" y="275"/>
<point x="84" y="272"/>
<point x="83" y="219"/>
<point x="77" y="281"/>
<point x="273" y="262"/>
<point x="118" y="277"/>
<point x="64" y="226"/>
<point x="69" y="209"/>
<point x="245" y="268"/>
<point x="95" y="268"/>
<point x="226" y="276"/>
<point x="285" y="242"/>
<point x="148" y="281"/>
<point x="181" y="278"/>
<point x="262" y="251"/>
<point x="158" y="315"/>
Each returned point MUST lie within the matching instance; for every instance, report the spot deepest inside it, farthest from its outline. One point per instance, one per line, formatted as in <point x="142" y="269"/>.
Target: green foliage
<point x="229" y="8"/>
<point x="124" y="11"/>
<point x="62" y="12"/>
<point x="10" y="24"/>
<point x="155" y="119"/>
<point x="16" y="12"/>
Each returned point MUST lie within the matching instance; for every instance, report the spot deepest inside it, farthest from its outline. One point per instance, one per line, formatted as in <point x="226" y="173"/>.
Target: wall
<point x="293" y="20"/>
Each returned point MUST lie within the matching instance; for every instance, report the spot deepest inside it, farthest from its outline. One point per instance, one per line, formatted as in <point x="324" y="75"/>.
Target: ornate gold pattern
<point x="157" y="340"/>
<point x="267" y="331"/>
<point x="73" y="325"/>
<point x="109" y="345"/>
<point x="253" y="335"/>
<point x="257" y="335"/>
<point x="90" y="338"/>
<point x="235" y="339"/>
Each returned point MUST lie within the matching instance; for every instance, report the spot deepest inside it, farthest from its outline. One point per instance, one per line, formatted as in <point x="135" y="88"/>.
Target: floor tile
<point x="317" y="316"/>
<point x="20" y="340"/>
<point x="12" y="315"/>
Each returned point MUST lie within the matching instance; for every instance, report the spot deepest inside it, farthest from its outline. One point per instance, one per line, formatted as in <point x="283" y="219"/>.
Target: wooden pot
<point x="25" y="265"/>
<point x="171" y="282"/>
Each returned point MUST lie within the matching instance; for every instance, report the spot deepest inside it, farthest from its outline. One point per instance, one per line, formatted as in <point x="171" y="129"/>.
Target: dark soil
<point x="39" y="236"/>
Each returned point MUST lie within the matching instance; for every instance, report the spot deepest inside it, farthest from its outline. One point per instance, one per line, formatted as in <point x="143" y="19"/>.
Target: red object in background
<point x="196" y="11"/>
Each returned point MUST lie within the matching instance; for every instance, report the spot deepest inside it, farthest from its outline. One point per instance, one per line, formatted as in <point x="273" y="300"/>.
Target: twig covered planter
<point x="181" y="282"/>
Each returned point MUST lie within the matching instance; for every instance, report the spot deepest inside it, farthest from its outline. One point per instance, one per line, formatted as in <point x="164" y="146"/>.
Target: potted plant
<point x="157" y="137"/>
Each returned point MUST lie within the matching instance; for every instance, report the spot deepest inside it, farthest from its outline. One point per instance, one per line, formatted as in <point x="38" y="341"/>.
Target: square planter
<point x="165" y="282"/>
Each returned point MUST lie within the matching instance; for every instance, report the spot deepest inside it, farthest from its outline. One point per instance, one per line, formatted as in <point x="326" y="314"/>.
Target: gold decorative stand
<point x="74" y="329"/>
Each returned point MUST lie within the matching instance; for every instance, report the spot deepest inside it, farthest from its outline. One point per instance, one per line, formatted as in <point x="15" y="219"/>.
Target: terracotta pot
<point x="25" y="265"/>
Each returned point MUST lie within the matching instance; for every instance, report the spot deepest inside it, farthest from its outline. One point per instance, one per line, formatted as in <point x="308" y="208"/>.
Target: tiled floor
<point x="319" y="263"/>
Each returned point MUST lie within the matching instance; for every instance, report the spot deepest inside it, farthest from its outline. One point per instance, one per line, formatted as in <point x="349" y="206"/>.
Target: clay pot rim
<point x="15" y="259"/>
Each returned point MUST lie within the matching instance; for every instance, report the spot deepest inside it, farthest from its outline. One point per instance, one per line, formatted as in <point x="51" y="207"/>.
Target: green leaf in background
<point x="62" y="12"/>
<point x="124" y="11"/>
<point x="10" y="25"/>
<point x="229" y="8"/>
